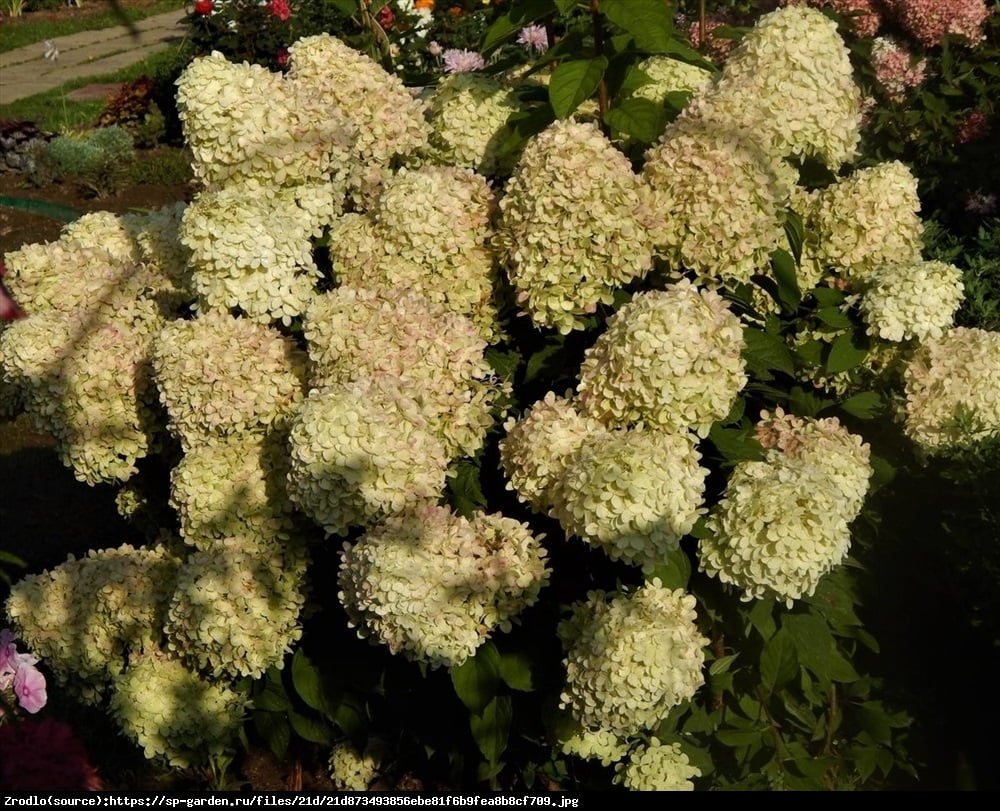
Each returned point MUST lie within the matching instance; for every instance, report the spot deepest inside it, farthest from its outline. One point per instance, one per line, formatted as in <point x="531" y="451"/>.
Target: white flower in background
<point x="916" y="300"/>
<point x="352" y="769"/>
<point x="51" y="51"/>
<point x="656" y="766"/>
<point x="670" y="359"/>
<point x="630" y="658"/>
<point x="433" y="586"/>
<point x="952" y="387"/>
<point x="590" y="744"/>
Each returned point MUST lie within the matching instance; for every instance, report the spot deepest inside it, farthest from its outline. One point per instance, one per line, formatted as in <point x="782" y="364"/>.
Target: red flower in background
<point x="44" y="755"/>
<point x="384" y="17"/>
<point x="281" y="57"/>
<point x="280" y="9"/>
<point x="204" y="7"/>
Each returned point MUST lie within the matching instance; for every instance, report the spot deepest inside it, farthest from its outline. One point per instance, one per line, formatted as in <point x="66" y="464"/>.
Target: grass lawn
<point x="38" y="26"/>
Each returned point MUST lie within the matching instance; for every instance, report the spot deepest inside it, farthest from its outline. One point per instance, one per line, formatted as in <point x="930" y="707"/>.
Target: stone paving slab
<point x="25" y="71"/>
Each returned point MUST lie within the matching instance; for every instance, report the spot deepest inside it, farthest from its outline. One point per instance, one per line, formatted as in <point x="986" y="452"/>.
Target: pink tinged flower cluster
<point x="861" y="17"/>
<point x="895" y="68"/>
<point x="18" y="670"/>
<point x="533" y="38"/>
<point x="930" y="21"/>
<point x="457" y="60"/>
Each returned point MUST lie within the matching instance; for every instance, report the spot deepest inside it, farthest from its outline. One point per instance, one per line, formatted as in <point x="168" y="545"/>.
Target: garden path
<point x="26" y="71"/>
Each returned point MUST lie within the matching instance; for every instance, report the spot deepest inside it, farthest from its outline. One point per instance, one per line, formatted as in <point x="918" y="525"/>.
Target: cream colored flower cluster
<point x="429" y="233"/>
<point x="630" y="658"/>
<point x="251" y="253"/>
<point x="657" y="766"/>
<point x="790" y="85"/>
<point x="538" y="449"/>
<point x="351" y="769"/>
<point x="432" y="585"/>
<point x="670" y="359"/>
<point x="865" y="220"/>
<point x="360" y="451"/>
<point x="593" y="744"/>
<point x="83" y="616"/>
<point x="574" y="225"/>
<point x="388" y="122"/>
<point x="915" y="300"/>
<point x="436" y="355"/>
<point x="634" y="494"/>
<point x="952" y="387"/>
<point x="235" y="611"/>
<point x="718" y="200"/>
<point x="468" y="115"/>
<point x="784" y="521"/>
<point x="668" y="75"/>
<point x="173" y="713"/>
<point x="218" y="375"/>
<point x="79" y="362"/>
<point x="242" y="121"/>
<point x="234" y="485"/>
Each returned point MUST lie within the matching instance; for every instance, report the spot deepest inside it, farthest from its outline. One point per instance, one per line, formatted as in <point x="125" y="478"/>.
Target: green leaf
<point x="778" y="663"/>
<point x="491" y="727"/>
<point x="273" y="727"/>
<point x="738" y="738"/>
<point x="865" y="405"/>
<point x="350" y="717"/>
<point x="827" y="296"/>
<point x="314" y="730"/>
<point x="466" y="491"/>
<point x="764" y="351"/>
<point x="736" y="444"/>
<point x="477" y="678"/>
<point x="308" y="683"/>
<point x="720" y="666"/>
<point x="503" y="362"/>
<point x="810" y="352"/>
<point x="795" y="230"/>
<point x="761" y="617"/>
<point x="834" y="602"/>
<point x="845" y="353"/>
<point x="648" y="21"/>
<point x="639" y="119"/>
<point x="834" y="317"/>
<point x="806" y="403"/>
<point x="544" y="360"/>
<point x="873" y="719"/>
<point x="346" y="7"/>
<point x="674" y="572"/>
<point x="783" y="266"/>
<point x="574" y="82"/>
<point x="516" y="671"/>
<point x="817" y="649"/>
<point x="272" y="696"/>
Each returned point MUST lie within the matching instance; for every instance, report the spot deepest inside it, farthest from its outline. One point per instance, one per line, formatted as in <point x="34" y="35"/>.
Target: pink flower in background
<point x="462" y="61"/>
<point x="973" y="127"/>
<point x="533" y="38"/>
<point x="280" y="9"/>
<point x="435" y="49"/>
<point x="930" y="21"/>
<point x="204" y="7"/>
<point x="29" y="684"/>
<point x="895" y="68"/>
<point x="385" y="17"/>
